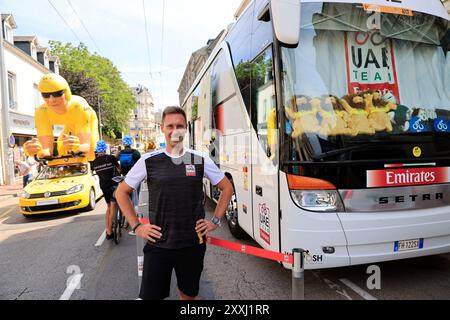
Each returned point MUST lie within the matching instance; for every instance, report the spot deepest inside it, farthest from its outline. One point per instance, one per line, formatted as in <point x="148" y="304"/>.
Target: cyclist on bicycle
<point x="107" y="167"/>
<point x="128" y="156"/>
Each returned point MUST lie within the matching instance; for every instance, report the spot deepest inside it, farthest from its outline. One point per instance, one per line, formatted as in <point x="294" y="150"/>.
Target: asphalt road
<point x="55" y="256"/>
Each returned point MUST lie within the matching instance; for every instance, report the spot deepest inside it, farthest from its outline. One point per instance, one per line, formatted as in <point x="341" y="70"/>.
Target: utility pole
<point x="100" y="117"/>
<point x="7" y="151"/>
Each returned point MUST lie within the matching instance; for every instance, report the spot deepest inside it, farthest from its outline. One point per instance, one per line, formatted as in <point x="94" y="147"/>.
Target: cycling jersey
<point x="175" y="191"/>
<point x="128" y="159"/>
<point x="105" y="166"/>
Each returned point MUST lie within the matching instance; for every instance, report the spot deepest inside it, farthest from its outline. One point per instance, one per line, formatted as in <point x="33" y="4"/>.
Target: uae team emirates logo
<point x="407" y="177"/>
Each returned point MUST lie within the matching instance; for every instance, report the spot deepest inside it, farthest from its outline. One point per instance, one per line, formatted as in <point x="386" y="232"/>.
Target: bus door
<point x="265" y="188"/>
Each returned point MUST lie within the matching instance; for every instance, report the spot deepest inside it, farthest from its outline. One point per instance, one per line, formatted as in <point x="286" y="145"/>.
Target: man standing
<point x="107" y="167"/>
<point x="177" y="217"/>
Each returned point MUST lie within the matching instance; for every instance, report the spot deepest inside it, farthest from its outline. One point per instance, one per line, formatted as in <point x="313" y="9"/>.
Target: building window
<point x="33" y="51"/>
<point x="46" y="61"/>
<point x="12" y="90"/>
<point x="9" y="33"/>
<point x="37" y="96"/>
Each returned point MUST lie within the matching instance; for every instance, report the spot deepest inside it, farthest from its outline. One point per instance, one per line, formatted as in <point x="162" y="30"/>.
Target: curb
<point x="8" y="196"/>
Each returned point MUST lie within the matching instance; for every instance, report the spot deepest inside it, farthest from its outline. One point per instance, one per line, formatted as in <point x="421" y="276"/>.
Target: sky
<point x="116" y="30"/>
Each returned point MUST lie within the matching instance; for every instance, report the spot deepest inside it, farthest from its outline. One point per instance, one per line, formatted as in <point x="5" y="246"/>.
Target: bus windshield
<point x="360" y="79"/>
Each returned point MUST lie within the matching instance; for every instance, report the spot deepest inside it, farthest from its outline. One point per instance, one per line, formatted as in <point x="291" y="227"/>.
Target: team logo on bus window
<point x="190" y="171"/>
<point x="370" y="62"/>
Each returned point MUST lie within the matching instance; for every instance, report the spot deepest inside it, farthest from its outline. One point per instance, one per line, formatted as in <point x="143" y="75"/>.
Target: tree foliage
<point x="85" y="69"/>
<point x="83" y="86"/>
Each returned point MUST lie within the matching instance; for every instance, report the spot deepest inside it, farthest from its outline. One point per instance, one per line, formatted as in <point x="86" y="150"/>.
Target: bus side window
<point x="263" y="102"/>
<point x="239" y="40"/>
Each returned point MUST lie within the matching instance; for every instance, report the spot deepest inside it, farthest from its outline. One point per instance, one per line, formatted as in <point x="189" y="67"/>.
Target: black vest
<point x="175" y="190"/>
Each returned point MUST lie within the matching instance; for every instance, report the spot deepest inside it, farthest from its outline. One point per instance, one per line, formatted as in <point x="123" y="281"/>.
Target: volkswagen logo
<point x="47" y="194"/>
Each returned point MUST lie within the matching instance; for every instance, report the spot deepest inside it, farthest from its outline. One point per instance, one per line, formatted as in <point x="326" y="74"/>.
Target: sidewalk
<point x="14" y="191"/>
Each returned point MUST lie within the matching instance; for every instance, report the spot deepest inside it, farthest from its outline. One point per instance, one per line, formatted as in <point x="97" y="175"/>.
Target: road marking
<point x="7" y="212"/>
<point x="71" y="287"/>
<point x="357" y="289"/>
<point x="101" y="239"/>
<point x="337" y="288"/>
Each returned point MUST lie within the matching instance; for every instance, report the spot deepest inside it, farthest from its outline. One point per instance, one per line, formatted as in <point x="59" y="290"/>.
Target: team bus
<point x="332" y="120"/>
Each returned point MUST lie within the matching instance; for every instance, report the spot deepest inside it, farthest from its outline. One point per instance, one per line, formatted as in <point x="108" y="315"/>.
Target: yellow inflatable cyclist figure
<point x="80" y="133"/>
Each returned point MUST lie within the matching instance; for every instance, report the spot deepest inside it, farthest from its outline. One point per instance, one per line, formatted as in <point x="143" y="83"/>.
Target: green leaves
<point x="96" y="79"/>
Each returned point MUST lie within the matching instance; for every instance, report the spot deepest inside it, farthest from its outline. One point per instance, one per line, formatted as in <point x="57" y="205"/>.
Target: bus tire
<point x="232" y="218"/>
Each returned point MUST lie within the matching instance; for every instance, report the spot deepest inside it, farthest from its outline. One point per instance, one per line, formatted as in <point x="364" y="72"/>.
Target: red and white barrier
<point x="295" y="259"/>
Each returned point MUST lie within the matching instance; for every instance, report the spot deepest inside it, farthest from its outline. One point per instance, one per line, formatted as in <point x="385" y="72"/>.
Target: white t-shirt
<point x="139" y="171"/>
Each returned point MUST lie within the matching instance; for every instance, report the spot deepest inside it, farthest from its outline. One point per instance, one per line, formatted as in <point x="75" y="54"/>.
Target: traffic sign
<point x="11" y="141"/>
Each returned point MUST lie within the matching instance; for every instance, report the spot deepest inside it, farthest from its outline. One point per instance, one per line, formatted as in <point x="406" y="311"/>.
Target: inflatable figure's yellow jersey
<point x="79" y="118"/>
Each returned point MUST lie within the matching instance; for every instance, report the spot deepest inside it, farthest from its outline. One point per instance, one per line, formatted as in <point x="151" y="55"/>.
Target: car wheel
<point x="91" y="205"/>
<point x="232" y="218"/>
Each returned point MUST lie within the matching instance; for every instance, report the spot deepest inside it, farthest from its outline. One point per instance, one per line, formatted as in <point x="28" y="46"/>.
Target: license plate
<point x="406" y="245"/>
<point x="46" y="202"/>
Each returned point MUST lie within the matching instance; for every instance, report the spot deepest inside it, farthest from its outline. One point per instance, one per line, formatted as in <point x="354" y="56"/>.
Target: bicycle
<point x="119" y="222"/>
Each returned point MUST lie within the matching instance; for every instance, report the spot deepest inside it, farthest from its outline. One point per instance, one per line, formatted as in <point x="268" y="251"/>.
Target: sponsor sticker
<point x="264" y="223"/>
<point x="190" y="171"/>
<point x="417" y="152"/>
<point x="407" y="177"/>
<point x="387" y="9"/>
<point x="370" y="62"/>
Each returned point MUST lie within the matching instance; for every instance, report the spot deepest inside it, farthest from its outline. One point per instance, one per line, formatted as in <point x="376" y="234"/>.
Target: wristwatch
<point x="216" y="221"/>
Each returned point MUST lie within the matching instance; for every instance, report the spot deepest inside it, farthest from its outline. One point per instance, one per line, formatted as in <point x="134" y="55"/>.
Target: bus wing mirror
<point x="286" y="21"/>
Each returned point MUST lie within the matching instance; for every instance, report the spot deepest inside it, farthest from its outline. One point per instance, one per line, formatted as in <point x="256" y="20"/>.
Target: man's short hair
<point x="173" y="110"/>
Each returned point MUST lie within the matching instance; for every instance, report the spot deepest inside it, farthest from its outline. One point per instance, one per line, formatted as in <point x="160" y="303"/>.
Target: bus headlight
<point x="318" y="200"/>
<point x="75" y="189"/>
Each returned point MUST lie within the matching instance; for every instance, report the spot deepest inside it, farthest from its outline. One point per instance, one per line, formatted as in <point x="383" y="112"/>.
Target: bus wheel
<point x="232" y="218"/>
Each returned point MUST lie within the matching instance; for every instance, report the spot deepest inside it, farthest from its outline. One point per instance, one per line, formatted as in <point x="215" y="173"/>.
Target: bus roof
<point x="432" y="7"/>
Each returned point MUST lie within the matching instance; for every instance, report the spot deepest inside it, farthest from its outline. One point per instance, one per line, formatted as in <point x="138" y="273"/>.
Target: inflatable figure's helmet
<point x="53" y="83"/>
<point x="127" y="141"/>
<point x="101" y="147"/>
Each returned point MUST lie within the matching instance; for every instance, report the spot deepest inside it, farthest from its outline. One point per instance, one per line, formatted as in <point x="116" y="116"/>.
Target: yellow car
<point x="61" y="186"/>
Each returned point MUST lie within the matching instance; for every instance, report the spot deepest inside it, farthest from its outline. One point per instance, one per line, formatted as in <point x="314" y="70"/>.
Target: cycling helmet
<point x="101" y="147"/>
<point x="127" y="141"/>
<point x="52" y="83"/>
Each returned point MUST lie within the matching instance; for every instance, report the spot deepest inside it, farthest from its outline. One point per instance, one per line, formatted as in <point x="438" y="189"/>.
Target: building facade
<point x="143" y="125"/>
<point x="195" y="65"/>
<point x="25" y="63"/>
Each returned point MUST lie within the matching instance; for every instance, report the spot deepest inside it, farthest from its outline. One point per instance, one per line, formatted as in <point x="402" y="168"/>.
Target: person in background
<point x="26" y="169"/>
<point x="107" y="167"/>
<point x="128" y="156"/>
